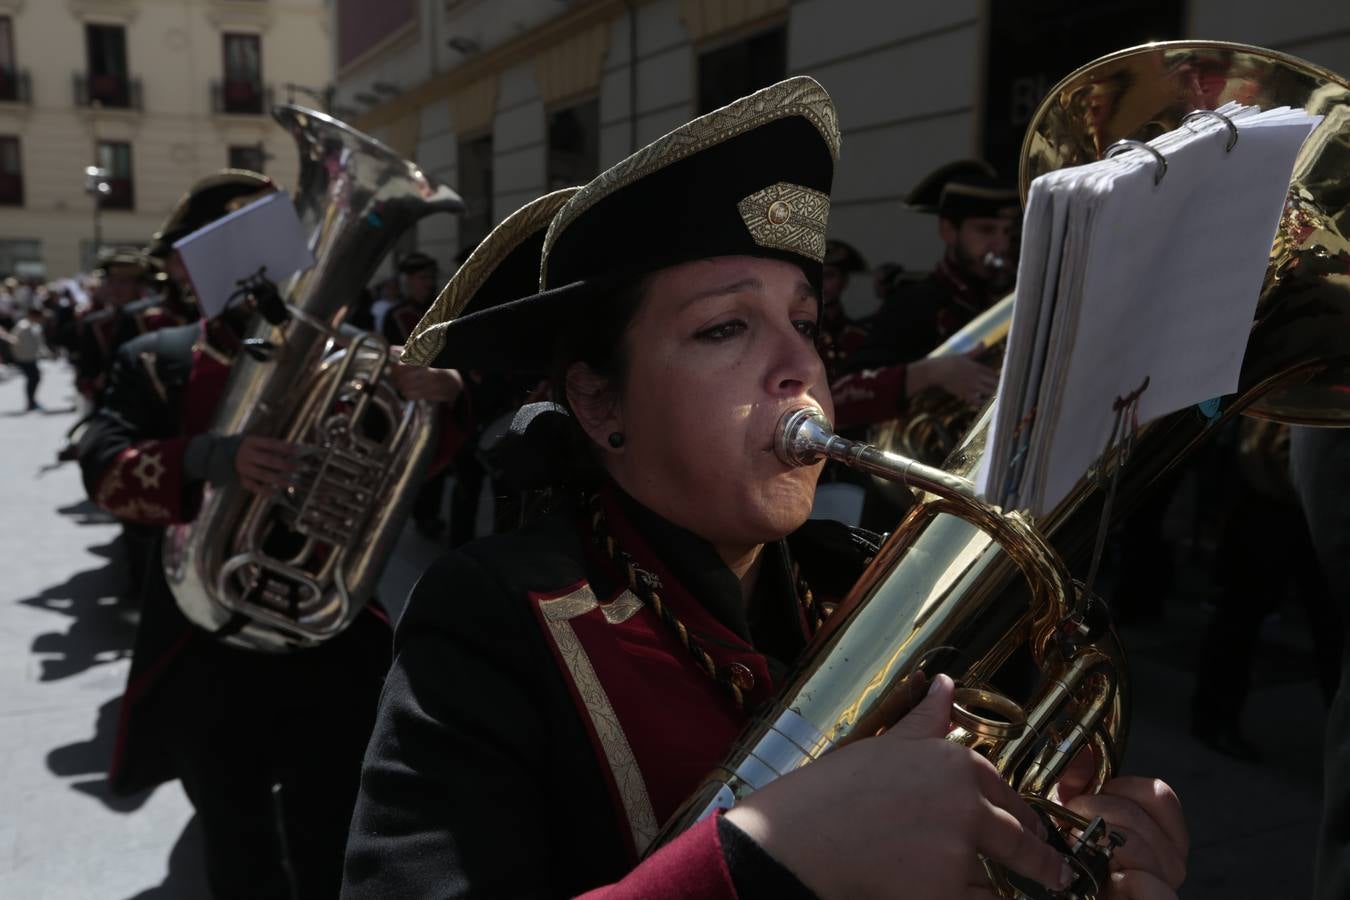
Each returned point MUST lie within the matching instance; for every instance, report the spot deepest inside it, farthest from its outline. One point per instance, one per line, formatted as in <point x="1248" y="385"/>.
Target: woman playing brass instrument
<point x="558" y="691"/>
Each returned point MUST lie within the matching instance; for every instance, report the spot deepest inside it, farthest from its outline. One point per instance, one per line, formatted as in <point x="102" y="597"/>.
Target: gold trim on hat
<point x="786" y="216"/>
<point x="427" y="339"/>
<point x="800" y="96"/>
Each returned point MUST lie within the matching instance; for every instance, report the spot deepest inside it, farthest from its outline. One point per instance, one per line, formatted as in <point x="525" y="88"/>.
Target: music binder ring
<point x="1126" y="144"/>
<point x="1215" y="114"/>
<point x="1123" y="433"/>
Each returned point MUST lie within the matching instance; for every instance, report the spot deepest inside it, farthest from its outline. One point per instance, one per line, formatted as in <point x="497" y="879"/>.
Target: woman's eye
<point x="808" y="327"/>
<point x="722" y="331"/>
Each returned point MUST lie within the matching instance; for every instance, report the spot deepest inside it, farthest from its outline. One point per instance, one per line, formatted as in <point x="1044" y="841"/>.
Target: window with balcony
<point x="9" y="73"/>
<point x="11" y="172"/>
<point x="242" y="90"/>
<point x="475" y="187"/>
<point x="106" y="79"/>
<point x="732" y="71"/>
<point x="247" y="156"/>
<point x="574" y="144"/>
<point x="114" y="157"/>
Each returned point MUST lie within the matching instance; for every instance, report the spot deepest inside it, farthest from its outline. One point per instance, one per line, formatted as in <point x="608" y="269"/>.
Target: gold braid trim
<point x="800" y="96"/>
<point x="623" y="764"/>
<point x="428" y="336"/>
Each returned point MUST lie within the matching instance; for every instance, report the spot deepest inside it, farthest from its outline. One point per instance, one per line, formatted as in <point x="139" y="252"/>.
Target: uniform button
<point x="741" y="676"/>
<point x="779" y="213"/>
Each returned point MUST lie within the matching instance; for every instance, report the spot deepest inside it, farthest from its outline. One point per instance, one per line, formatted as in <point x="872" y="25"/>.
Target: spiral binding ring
<point x="1122" y="145"/>
<point x="1214" y="114"/>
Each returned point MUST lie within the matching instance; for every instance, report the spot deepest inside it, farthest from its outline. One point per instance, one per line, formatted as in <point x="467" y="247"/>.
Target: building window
<point x="22" y="258"/>
<point x="114" y="157"/>
<point x="734" y="70"/>
<point x="107" y="80"/>
<point x="475" y="187"/>
<point x="11" y="172"/>
<point x="242" y="91"/>
<point x="9" y="73"/>
<point x="574" y="144"/>
<point x="248" y="156"/>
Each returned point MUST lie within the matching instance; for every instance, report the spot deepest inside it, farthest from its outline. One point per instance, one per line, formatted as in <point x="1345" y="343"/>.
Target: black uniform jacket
<point x="481" y="779"/>
<point x="164" y="389"/>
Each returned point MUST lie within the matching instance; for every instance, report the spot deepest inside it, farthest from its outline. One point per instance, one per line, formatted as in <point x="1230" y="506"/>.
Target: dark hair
<point x="595" y="338"/>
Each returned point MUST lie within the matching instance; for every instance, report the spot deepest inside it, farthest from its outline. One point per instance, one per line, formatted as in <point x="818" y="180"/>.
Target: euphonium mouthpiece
<point x="803" y="436"/>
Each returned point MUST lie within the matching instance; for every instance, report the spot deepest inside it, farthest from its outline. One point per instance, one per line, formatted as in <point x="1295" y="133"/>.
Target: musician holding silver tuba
<point x="560" y="691"/>
<point x="262" y="711"/>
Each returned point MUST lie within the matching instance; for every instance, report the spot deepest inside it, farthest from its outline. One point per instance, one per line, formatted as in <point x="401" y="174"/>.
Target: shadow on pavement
<point x="186" y="879"/>
<point x="101" y="630"/>
<point x="92" y="758"/>
<point x="86" y="512"/>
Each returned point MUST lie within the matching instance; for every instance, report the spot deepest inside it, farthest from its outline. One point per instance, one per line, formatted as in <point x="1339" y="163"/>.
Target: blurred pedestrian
<point x="28" y="346"/>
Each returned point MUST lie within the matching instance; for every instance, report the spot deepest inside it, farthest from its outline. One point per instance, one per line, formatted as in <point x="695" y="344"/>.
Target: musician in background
<point x="419" y="279"/>
<point x="559" y="691"/>
<point x="1320" y="460"/>
<point x="840" y="336"/>
<point x="119" y="313"/>
<point x="229" y="723"/>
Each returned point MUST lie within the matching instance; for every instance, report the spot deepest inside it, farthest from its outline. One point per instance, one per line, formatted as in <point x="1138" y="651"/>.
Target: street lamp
<point x="96" y="183"/>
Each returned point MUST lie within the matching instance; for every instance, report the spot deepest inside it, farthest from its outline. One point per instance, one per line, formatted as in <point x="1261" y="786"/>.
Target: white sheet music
<point x="266" y="234"/>
<point x="1121" y="280"/>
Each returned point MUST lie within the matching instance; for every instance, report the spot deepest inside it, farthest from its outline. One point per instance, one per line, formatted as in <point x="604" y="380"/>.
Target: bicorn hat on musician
<point x="208" y="200"/>
<point x="967" y="188"/>
<point x="844" y="256"/>
<point x="127" y="264"/>
<point x="416" y="262"/>
<point x="502" y="268"/>
<point x="750" y="179"/>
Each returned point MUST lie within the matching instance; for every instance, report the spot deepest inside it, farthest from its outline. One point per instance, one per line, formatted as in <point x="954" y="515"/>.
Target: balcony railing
<point x="111" y="91"/>
<point x="14" y="86"/>
<point x="240" y="97"/>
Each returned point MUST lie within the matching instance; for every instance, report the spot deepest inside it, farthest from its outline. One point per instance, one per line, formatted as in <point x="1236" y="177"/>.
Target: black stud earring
<point x="616" y="439"/>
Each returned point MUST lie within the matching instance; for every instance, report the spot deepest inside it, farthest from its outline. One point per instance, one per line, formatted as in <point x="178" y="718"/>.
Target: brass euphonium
<point x="279" y="573"/>
<point x="943" y="594"/>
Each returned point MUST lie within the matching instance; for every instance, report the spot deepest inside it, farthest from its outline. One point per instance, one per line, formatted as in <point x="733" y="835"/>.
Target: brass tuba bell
<point x="988" y="596"/>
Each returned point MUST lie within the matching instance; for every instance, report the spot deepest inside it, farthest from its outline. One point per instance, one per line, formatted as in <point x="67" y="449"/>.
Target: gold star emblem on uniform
<point x="149" y="469"/>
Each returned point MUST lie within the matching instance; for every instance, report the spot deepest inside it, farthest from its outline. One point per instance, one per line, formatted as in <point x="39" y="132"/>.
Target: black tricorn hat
<point x="130" y="263"/>
<point x="750" y="179"/>
<point x="415" y="262"/>
<point x="963" y="189"/>
<point x="844" y="256"/>
<point x="503" y="267"/>
<point x="208" y="200"/>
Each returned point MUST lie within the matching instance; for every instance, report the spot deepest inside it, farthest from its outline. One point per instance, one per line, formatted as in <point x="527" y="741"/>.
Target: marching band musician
<point x="840" y="336"/>
<point x="977" y="215"/>
<point x="121" y="315"/>
<point x="229" y="723"/>
<point x="558" y="691"/>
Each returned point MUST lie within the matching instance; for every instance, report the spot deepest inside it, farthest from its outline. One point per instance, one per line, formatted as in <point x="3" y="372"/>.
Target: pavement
<point x="65" y="640"/>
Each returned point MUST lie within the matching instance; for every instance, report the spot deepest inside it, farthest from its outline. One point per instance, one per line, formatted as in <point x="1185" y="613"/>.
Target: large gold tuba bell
<point x="987" y="596"/>
<point x="280" y="573"/>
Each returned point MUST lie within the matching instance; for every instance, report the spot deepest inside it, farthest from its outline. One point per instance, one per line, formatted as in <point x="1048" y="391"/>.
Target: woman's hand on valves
<point x="901" y="815"/>
<point x="1151" y="864"/>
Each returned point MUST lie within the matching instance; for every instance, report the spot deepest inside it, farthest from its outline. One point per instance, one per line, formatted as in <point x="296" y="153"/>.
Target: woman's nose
<point x="797" y="366"/>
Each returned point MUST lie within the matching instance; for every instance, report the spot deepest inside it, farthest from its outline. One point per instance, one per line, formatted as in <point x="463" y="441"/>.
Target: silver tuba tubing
<point x="276" y="574"/>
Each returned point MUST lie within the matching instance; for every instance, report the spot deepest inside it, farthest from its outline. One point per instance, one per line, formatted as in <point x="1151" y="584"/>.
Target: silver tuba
<point x="280" y="573"/>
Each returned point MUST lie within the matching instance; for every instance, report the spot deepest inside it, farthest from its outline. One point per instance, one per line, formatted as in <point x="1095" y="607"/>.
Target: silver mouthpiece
<point x="995" y="262"/>
<point x="803" y="436"/>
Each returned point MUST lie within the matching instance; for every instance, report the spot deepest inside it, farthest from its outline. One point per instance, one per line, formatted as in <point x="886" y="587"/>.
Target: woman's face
<point x="718" y="350"/>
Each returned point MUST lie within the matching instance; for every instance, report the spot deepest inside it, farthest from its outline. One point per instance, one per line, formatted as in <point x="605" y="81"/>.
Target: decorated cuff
<point x="146" y="483"/>
<point x="869" y="396"/>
